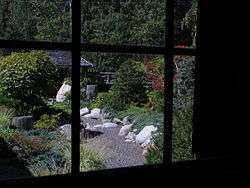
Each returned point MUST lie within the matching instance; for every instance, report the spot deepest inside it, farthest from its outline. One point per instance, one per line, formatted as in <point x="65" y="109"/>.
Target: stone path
<point x="115" y="152"/>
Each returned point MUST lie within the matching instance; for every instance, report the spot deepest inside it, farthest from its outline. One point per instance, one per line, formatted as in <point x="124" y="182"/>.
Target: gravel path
<point x="115" y="152"/>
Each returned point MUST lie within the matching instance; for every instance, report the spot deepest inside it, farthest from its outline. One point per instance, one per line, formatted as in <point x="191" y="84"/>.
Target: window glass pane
<point x="35" y="20"/>
<point x="183" y="107"/>
<point x="35" y="113"/>
<point x="185" y="23"/>
<point x="123" y="22"/>
<point x="122" y="118"/>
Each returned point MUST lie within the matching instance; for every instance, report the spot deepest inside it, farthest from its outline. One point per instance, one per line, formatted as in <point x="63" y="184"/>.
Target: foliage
<point x="90" y="160"/>
<point x="8" y="134"/>
<point x="190" y="20"/>
<point x="130" y="84"/>
<point x="48" y="122"/>
<point x="64" y="107"/>
<point x="184" y="81"/>
<point x="112" y="22"/>
<point x="155" y="73"/>
<point x="6" y="116"/>
<point x="35" y="20"/>
<point x="142" y="117"/>
<point x="156" y="151"/>
<point x="182" y="134"/>
<point x="27" y="77"/>
<point x="156" y="101"/>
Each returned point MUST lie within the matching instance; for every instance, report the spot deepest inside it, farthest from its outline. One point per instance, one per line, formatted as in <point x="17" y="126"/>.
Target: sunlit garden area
<point x="121" y="95"/>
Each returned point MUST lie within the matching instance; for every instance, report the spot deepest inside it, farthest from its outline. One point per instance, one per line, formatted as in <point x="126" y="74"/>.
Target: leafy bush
<point x="155" y="153"/>
<point x="131" y="83"/>
<point x="27" y="77"/>
<point x="90" y="160"/>
<point x="182" y="134"/>
<point x="49" y="163"/>
<point x="184" y="81"/>
<point x="6" y="116"/>
<point x="156" y="101"/>
<point x="48" y="122"/>
<point x="58" y="108"/>
<point x="8" y="134"/>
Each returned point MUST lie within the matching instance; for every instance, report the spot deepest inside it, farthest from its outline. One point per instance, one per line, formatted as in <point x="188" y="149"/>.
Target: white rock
<point x="117" y="121"/>
<point x="95" y="114"/>
<point x="90" y="128"/>
<point x="106" y="125"/>
<point x="84" y="111"/>
<point x="64" y="89"/>
<point x="125" y="130"/>
<point x="131" y="136"/>
<point x="128" y="140"/>
<point x="65" y="130"/>
<point x="146" y="133"/>
<point x="146" y="143"/>
<point x="125" y="121"/>
<point x="135" y="130"/>
<point x="109" y="125"/>
<point x="98" y="126"/>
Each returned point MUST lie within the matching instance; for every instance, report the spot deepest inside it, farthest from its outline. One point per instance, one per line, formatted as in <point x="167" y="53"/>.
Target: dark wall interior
<point x="222" y="96"/>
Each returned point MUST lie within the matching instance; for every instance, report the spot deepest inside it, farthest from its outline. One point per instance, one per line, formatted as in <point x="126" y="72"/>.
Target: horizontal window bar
<point x="36" y="45"/>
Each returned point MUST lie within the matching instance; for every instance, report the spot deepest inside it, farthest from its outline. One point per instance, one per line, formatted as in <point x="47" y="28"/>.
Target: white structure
<point x="65" y="88"/>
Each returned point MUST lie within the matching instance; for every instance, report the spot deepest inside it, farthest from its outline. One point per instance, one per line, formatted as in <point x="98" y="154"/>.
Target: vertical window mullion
<point x="169" y="71"/>
<point x="75" y="128"/>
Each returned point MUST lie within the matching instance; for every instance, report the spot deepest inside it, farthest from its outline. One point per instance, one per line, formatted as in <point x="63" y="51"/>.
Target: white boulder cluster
<point x="143" y="138"/>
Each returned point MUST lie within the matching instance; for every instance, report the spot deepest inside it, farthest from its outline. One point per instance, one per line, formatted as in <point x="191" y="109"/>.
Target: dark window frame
<point x="76" y="47"/>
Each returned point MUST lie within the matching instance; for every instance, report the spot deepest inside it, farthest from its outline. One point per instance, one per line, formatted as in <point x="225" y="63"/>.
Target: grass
<point x="143" y="117"/>
<point x="6" y="114"/>
<point x="182" y="134"/>
<point x="90" y="159"/>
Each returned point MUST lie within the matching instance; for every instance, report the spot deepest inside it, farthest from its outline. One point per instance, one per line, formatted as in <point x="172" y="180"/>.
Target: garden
<point x="121" y="95"/>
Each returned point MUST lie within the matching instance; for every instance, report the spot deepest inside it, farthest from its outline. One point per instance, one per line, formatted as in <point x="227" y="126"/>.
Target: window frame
<point x="76" y="47"/>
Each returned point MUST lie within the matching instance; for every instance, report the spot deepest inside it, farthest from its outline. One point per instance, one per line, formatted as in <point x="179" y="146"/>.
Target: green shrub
<point x="156" y="101"/>
<point x="50" y="163"/>
<point x="8" y="134"/>
<point x="6" y="116"/>
<point x="48" y="122"/>
<point x="130" y="85"/>
<point x="184" y="82"/>
<point x="28" y="78"/>
<point x="90" y="160"/>
<point x="142" y="117"/>
<point x="155" y="153"/>
<point x="58" y="108"/>
<point x="182" y="134"/>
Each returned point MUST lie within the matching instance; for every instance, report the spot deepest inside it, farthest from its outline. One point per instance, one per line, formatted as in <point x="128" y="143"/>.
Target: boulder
<point x="90" y="128"/>
<point x="146" y="143"/>
<point x="22" y="122"/>
<point x="106" y="125"/>
<point x="131" y="136"/>
<point x="117" y="121"/>
<point x="125" y="121"/>
<point x="125" y="130"/>
<point x="61" y="94"/>
<point x="145" y="134"/>
<point x="91" y="91"/>
<point x="98" y="126"/>
<point x="65" y="130"/>
<point x="109" y="125"/>
<point x="95" y="114"/>
<point x="84" y="111"/>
